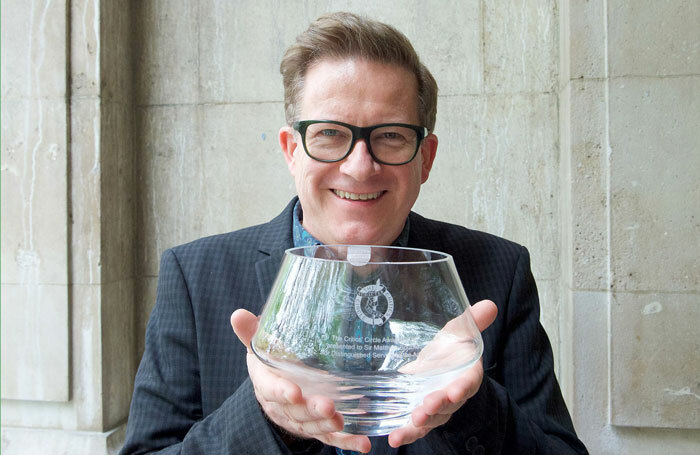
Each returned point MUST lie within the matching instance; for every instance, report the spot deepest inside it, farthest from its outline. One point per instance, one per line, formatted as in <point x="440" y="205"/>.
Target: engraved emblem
<point x="374" y="304"/>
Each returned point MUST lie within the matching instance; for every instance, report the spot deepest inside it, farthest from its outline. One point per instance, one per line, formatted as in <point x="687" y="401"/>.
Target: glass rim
<point x="295" y="252"/>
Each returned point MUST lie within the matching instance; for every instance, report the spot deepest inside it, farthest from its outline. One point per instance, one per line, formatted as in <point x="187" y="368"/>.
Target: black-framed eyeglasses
<point x="388" y="143"/>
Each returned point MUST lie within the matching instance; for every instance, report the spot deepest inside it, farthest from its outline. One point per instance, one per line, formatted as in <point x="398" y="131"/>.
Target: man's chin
<point x="361" y="234"/>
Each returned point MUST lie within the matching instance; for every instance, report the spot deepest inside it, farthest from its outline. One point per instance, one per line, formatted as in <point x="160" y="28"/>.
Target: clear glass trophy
<point x="374" y="328"/>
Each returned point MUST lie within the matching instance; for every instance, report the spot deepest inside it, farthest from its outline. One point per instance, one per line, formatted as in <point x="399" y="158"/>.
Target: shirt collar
<point x="302" y="237"/>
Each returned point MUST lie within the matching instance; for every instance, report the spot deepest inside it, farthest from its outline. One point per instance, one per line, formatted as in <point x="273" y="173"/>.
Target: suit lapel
<point x="266" y="270"/>
<point x="276" y="237"/>
<point x="422" y="235"/>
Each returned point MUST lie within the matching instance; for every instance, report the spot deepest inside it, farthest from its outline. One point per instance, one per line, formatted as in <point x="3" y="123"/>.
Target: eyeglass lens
<point x="391" y="144"/>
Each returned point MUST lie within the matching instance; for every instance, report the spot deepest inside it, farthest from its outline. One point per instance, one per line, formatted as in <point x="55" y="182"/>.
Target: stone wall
<point x="131" y="127"/>
<point x="67" y="226"/>
<point x="630" y="205"/>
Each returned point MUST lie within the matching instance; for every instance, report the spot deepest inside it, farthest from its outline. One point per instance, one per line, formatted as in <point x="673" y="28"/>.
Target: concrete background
<point x="568" y="126"/>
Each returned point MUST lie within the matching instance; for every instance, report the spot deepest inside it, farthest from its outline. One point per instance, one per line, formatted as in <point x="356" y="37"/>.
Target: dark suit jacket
<point x="192" y="392"/>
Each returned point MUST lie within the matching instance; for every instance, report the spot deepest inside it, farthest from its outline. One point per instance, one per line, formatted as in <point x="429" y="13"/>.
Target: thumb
<point x="484" y="313"/>
<point x="244" y="324"/>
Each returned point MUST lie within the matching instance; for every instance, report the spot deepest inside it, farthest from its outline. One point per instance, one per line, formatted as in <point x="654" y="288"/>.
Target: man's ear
<point x="288" y="145"/>
<point x="428" y="149"/>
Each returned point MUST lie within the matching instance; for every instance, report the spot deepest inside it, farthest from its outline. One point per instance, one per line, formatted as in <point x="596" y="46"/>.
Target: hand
<point x="438" y="407"/>
<point x="282" y="401"/>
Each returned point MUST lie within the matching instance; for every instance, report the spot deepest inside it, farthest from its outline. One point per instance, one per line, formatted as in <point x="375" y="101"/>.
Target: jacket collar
<point x="277" y="234"/>
<point x="422" y="234"/>
<point x="275" y="238"/>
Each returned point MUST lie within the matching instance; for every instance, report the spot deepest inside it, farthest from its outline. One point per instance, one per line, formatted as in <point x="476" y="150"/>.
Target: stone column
<point x="67" y="249"/>
<point x="630" y="155"/>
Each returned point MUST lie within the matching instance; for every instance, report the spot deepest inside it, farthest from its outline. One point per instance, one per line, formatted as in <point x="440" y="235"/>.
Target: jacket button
<point x="471" y="443"/>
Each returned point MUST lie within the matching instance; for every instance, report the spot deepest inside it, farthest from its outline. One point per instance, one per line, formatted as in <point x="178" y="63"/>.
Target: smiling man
<point x="359" y="142"/>
<point x="350" y="197"/>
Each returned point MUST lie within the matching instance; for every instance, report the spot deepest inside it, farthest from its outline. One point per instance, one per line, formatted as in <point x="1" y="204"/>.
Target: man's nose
<point x="359" y="164"/>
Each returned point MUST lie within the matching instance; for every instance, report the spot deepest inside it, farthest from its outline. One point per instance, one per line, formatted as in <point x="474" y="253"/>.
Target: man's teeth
<point x="357" y="197"/>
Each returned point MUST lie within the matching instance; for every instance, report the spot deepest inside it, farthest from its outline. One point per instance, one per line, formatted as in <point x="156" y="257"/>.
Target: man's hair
<point x="345" y="35"/>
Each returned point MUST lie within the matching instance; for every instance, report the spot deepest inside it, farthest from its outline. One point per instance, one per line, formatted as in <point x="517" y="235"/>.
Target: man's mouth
<point x="357" y="196"/>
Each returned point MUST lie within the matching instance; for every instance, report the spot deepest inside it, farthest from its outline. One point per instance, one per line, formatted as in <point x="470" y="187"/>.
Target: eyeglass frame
<point x="360" y="132"/>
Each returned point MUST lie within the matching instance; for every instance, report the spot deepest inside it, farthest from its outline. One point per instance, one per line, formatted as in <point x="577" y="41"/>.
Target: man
<point x="351" y="86"/>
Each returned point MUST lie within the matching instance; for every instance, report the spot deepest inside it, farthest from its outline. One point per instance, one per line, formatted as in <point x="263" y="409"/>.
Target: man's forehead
<point x="348" y="67"/>
<point x="334" y="86"/>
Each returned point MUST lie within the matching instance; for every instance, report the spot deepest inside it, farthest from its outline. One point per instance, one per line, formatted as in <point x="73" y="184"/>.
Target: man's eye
<point x="329" y="132"/>
<point x="393" y="136"/>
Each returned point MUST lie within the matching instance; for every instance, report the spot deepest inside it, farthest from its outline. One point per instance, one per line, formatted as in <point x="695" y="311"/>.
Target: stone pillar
<point x="67" y="230"/>
<point x="630" y="154"/>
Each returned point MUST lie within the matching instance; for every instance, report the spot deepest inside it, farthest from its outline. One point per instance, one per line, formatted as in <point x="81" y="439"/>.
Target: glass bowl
<point x="374" y="328"/>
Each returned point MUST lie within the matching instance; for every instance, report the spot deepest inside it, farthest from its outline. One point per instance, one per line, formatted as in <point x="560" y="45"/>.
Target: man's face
<point x="361" y="93"/>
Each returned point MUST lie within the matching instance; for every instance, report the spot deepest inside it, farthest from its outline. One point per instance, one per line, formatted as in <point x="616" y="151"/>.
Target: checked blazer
<point x="192" y="394"/>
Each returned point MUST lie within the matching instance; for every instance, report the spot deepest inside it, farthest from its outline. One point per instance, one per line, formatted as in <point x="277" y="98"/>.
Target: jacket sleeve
<point x="166" y="408"/>
<point x="519" y="407"/>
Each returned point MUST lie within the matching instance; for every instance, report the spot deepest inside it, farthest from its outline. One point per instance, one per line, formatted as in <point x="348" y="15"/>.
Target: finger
<point x="484" y="313"/>
<point x="270" y="386"/>
<point x="321" y="427"/>
<point x="454" y="395"/>
<point x="420" y="418"/>
<point x="347" y="441"/>
<point x="323" y="407"/>
<point x="244" y="324"/>
<point x="311" y="429"/>
<point x="448" y="400"/>
<point x="465" y="386"/>
<point x="450" y="408"/>
<point x="311" y="410"/>
<point x="433" y="421"/>
<point x="434" y="402"/>
<point x="406" y="435"/>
